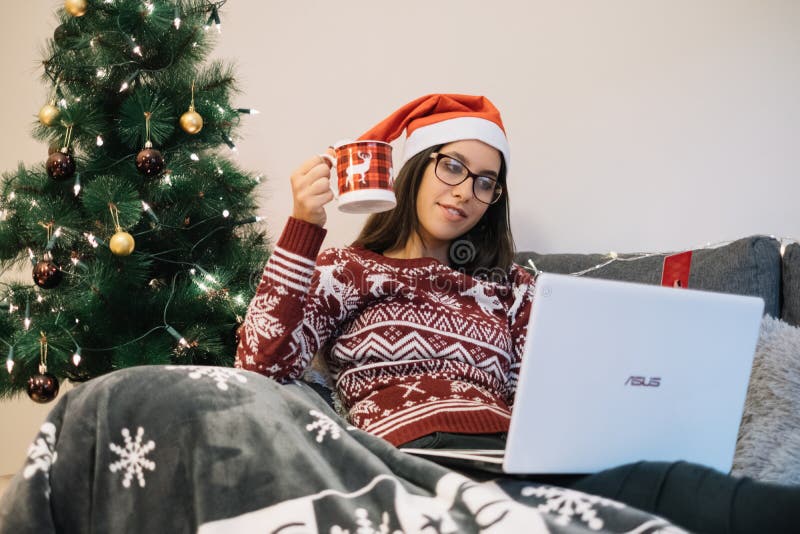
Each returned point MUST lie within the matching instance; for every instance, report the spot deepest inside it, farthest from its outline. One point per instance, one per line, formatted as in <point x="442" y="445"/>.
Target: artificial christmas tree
<point x="140" y="231"/>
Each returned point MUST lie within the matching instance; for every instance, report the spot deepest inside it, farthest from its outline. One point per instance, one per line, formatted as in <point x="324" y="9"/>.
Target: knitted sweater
<point x="413" y="346"/>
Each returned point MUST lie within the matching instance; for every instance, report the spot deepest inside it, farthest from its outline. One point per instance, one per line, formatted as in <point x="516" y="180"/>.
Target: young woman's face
<point x="448" y="211"/>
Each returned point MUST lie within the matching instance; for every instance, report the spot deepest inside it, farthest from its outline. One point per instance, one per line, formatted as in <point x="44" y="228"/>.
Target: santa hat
<point x="440" y="119"/>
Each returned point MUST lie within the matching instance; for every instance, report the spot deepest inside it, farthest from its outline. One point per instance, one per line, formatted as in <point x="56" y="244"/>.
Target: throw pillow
<point x="768" y="448"/>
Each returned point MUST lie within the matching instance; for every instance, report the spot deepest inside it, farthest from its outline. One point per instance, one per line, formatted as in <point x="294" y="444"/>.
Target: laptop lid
<point x="616" y="372"/>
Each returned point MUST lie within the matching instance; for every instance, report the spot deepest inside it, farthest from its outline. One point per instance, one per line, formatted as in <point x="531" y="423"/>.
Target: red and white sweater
<point x="414" y="346"/>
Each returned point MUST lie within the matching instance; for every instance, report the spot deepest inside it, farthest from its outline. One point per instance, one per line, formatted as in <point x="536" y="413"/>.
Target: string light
<point x="135" y="48"/>
<point x="174" y="333"/>
<point x="229" y="142"/>
<point x="76" y="357"/>
<point x="52" y="242"/>
<point x="226" y="213"/>
<point x="149" y="211"/>
<point x="10" y="359"/>
<point x="128" y="81"/>
<point x="194" y="157"/>
<point x="101" y="72"/>
<point x="100" y="140"/>
<point x="27" y="321"/>
<point x="213" y="18"/>
<point x="77" y="187"/>
<point x="614" y="256"/>
<point x="177" y="21"/>
<point x="92" y="239"/>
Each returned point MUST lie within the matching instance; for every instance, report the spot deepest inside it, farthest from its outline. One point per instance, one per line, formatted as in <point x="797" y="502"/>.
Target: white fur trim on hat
<point x="458" y="129"/>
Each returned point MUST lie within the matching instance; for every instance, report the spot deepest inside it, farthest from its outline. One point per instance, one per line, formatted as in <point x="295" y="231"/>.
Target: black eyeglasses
<point x="452" y="172"/>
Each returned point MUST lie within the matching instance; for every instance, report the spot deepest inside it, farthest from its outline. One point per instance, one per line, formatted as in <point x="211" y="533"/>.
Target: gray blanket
<point x="218" y="450"/>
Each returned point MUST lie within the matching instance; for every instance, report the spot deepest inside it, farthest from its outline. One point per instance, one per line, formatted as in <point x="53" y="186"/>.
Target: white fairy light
<point x="92" y="240"/>
<point x="62" y="103"/>
<point x="194" y="157"/>
<point x="100" y="140"/>
<point x="76" y="358"/>
<point x="10" y="365"/>
<point x="101" y="72"/>
<point x="12" y="308"/>
<point x="226" y="213"/>
<point x="123" y="86"/>
<point x="27" y="323"/>
<point x="39" y="299"/>
<point x="193" y="271"/>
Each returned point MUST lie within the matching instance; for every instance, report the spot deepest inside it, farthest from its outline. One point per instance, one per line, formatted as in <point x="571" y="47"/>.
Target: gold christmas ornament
<point x="76" y="8"/>
<point x="49" y="113"/>
<point x="122" y="243"/>
<point x="191" y="121"/>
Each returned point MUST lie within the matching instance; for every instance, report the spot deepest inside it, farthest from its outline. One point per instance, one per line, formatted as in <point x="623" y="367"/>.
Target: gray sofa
<point x="748" y="266"/>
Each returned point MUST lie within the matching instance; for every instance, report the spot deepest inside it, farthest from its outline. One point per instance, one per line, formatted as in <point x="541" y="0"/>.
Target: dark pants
<point x="692" y="496"/>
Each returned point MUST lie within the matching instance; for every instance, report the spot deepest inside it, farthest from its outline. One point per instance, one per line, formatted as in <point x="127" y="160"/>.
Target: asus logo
<point x="653" y="381"/>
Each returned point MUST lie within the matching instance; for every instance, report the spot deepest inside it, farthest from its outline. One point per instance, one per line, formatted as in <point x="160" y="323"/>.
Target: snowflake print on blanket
<point x="133" y="457"/>
<point x="323" y="424"/>
<point x="220" y="375"/>
<point x="41" y="453"/>
<point x="569" y="504"/>
<point x="364" y="525"/>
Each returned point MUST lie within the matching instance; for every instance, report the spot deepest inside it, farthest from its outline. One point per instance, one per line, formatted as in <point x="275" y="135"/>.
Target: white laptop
<point x="617" y="372"/>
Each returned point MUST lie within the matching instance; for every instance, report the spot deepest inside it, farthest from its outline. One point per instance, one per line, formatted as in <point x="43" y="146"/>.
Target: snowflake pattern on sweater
<point x="413" y="345"/>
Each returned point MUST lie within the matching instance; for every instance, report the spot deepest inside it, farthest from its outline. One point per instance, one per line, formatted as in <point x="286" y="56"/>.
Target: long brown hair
<point x="487" y="249"/>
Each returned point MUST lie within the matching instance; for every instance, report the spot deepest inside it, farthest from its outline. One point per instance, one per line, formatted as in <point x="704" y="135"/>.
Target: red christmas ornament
<point x="47" y="274"/>
<point x="149" y="161"/>
<point x="61" y="165"/>
<point x="42" y="387"/>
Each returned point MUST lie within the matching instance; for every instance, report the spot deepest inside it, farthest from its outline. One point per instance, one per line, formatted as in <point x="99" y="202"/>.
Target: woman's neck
<point x="415" y="248"/>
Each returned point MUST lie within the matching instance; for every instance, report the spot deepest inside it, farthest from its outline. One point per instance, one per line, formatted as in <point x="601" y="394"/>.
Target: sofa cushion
<point x="791" y="284"/>
<point x="748" y="266"/>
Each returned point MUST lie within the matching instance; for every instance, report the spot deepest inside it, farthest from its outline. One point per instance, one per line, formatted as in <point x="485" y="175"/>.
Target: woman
<point x="423" y="341"/>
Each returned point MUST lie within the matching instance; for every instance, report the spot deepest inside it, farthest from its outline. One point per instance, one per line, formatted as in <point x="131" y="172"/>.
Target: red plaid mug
<point x="364" y="176"/>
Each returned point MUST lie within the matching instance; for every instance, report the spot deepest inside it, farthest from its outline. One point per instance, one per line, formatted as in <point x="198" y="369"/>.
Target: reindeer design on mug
<point x="360" y="169"/>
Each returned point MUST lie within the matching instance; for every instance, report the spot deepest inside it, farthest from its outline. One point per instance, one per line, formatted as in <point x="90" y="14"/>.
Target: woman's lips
<point x="451" y="213"/>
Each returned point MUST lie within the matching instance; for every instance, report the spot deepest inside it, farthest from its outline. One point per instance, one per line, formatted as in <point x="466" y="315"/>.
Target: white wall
<point x="635" y="124"/>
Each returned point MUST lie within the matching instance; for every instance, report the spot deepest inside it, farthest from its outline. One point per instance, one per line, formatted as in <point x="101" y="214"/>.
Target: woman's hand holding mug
<point x="311" y="189"/>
